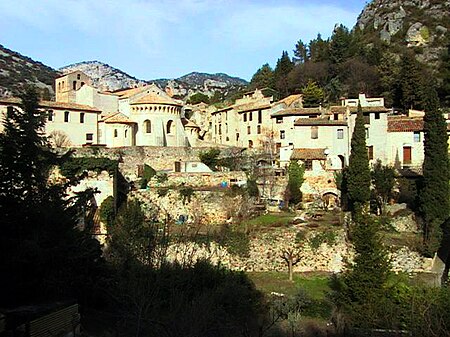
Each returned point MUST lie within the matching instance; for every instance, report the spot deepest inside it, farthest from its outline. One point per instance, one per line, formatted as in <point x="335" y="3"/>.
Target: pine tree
<point x="281" y="72"/>
<point x="410" y="86"/>
<point x="358" y="184"/>
<point x="319" y="49"/>
<point x="339" y="44"/>
<point x="300" y="52"/>
<point x="434" y="195"/>
<point x="263" y="78"/>
<point x="313" y="95"/>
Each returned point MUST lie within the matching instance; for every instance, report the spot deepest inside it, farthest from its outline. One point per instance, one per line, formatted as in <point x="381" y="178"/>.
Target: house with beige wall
<point x="77" y="123"/>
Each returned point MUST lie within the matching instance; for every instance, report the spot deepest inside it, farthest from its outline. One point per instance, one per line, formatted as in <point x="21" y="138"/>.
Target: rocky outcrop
<point x="411" y="23"/>
<point x="104" y="76"/>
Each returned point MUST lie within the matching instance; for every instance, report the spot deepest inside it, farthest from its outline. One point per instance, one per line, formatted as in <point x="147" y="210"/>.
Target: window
<point x="115" y="133"/>
<point x="81" y="117"/>
<point x="126" y="133"/>
<point x="66" y="116"/>
<point x="237" y="136"/>
<point x="78" y="77"/>
<point x="308" y="164"/>
<point x="249" y="130"/>
<point x="250" y="116"/>
<point x="377" y="115"/>
<point x="340" y="133"/>
<point x="407" y="155"/>
<point x="220" y="129"/>
<point x="74" y="85"/>
<point x="50" y="115"/>
<point x="147" y="126"/>
<point x="335" y="117"/>
<point x="282" y="134"/>
<point x="367" y="133"/>
<point x="245" y="117"/>
<point x="89" y="137"/>
<point x="314" y="132"/>
<point x="370" y="152"/>
<point x="279" y="120"/>
<point x="259" y="116"/>
<point x="416" y="136"/>
<point x="170" y="126"/>
<point x="250" y="143"/>
<point x="258" y="129"/>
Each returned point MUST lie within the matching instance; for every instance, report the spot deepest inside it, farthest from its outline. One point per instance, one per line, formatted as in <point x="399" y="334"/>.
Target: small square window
<point x="417" y="137"/>
<point x="279" y="120"/>
<point x="89" y="137"/>
<point x="308" y="164"/>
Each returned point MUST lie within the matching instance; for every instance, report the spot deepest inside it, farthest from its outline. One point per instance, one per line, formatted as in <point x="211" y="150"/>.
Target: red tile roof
<point x="303" y="153"/>
<point x="404" y="124"/>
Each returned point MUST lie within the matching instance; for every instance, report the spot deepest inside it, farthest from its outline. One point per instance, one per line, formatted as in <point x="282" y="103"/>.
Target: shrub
<point x="107" y="211"/>
<point x="328" y="237"/>
<point x="186" y="194"/>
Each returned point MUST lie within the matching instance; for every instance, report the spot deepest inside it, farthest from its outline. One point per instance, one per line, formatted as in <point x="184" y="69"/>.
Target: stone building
<point x="143" y="116"/>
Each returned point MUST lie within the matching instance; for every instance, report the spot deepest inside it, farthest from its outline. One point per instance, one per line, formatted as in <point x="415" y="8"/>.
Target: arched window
<point x="115" y="133"/>
<point x="250" y="143"/>
<point x="147" y="126"/>
<point x="169" y="127"/>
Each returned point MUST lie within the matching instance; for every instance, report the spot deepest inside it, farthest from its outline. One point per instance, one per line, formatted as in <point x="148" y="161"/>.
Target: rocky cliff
<point x="106" y="77"/>
<point x="17" y="70"/>
<point x="420" y="24"/>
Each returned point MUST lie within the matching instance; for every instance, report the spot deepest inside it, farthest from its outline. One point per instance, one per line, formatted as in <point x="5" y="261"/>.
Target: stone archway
<point x="331" y="198"/>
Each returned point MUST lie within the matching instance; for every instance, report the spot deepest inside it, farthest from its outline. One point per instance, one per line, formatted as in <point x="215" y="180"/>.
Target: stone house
<point x="70" y="124"/>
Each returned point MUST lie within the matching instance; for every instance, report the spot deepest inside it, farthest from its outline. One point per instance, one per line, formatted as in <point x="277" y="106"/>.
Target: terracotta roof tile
<point x="404" y="124"/>
<point x="117" y="118"/>
<point x="304" y="153"/>
<point x="319" y="121"/>
<point x="354" y="109"/>
<point x="155" y="99"/>
<point x="298" y="112"/>
<point x="52" y="104"/>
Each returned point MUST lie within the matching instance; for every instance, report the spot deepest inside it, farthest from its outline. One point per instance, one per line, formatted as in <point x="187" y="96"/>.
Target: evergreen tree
<point x="434" y="195"/>
<point x="263" y="78"/>
<point x="281" y="72"/>
<point x="312" y="95"/>
<point x="295" y="181"/>
<point x="339" y="44"/>
<point x="410" y="87"/>
<point x="444" y="76"/>
<point x="358" y="184"/>
<point x="319" y="49"/>
<point x="42" y="255"/>
<point x="360" y="292"/>
<point x="300" y="52"/>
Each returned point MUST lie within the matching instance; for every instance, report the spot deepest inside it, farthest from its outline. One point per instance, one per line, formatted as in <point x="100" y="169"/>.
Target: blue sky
<point x="168" y="38"/>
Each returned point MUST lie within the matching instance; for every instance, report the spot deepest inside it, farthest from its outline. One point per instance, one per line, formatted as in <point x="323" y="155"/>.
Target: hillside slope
<point x="17" y="70"/>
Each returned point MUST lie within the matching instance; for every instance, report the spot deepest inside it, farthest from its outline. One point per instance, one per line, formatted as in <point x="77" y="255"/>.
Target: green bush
<point x="210" y="158"/>
<point x="107" y="211"/>
<point x="236" y="242"/>
<point x="328" y="237"/>
<point x="74" y="167"/>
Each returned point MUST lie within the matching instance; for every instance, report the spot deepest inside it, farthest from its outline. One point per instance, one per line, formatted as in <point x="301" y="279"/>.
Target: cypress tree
<point x="434" y="196"/>
<point x="358" y="183"/>
<point x="295" y="181"/>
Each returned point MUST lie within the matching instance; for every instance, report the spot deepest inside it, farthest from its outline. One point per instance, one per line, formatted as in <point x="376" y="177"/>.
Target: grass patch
<point x="269" y="220"/>
<point x="315" y="284"/>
